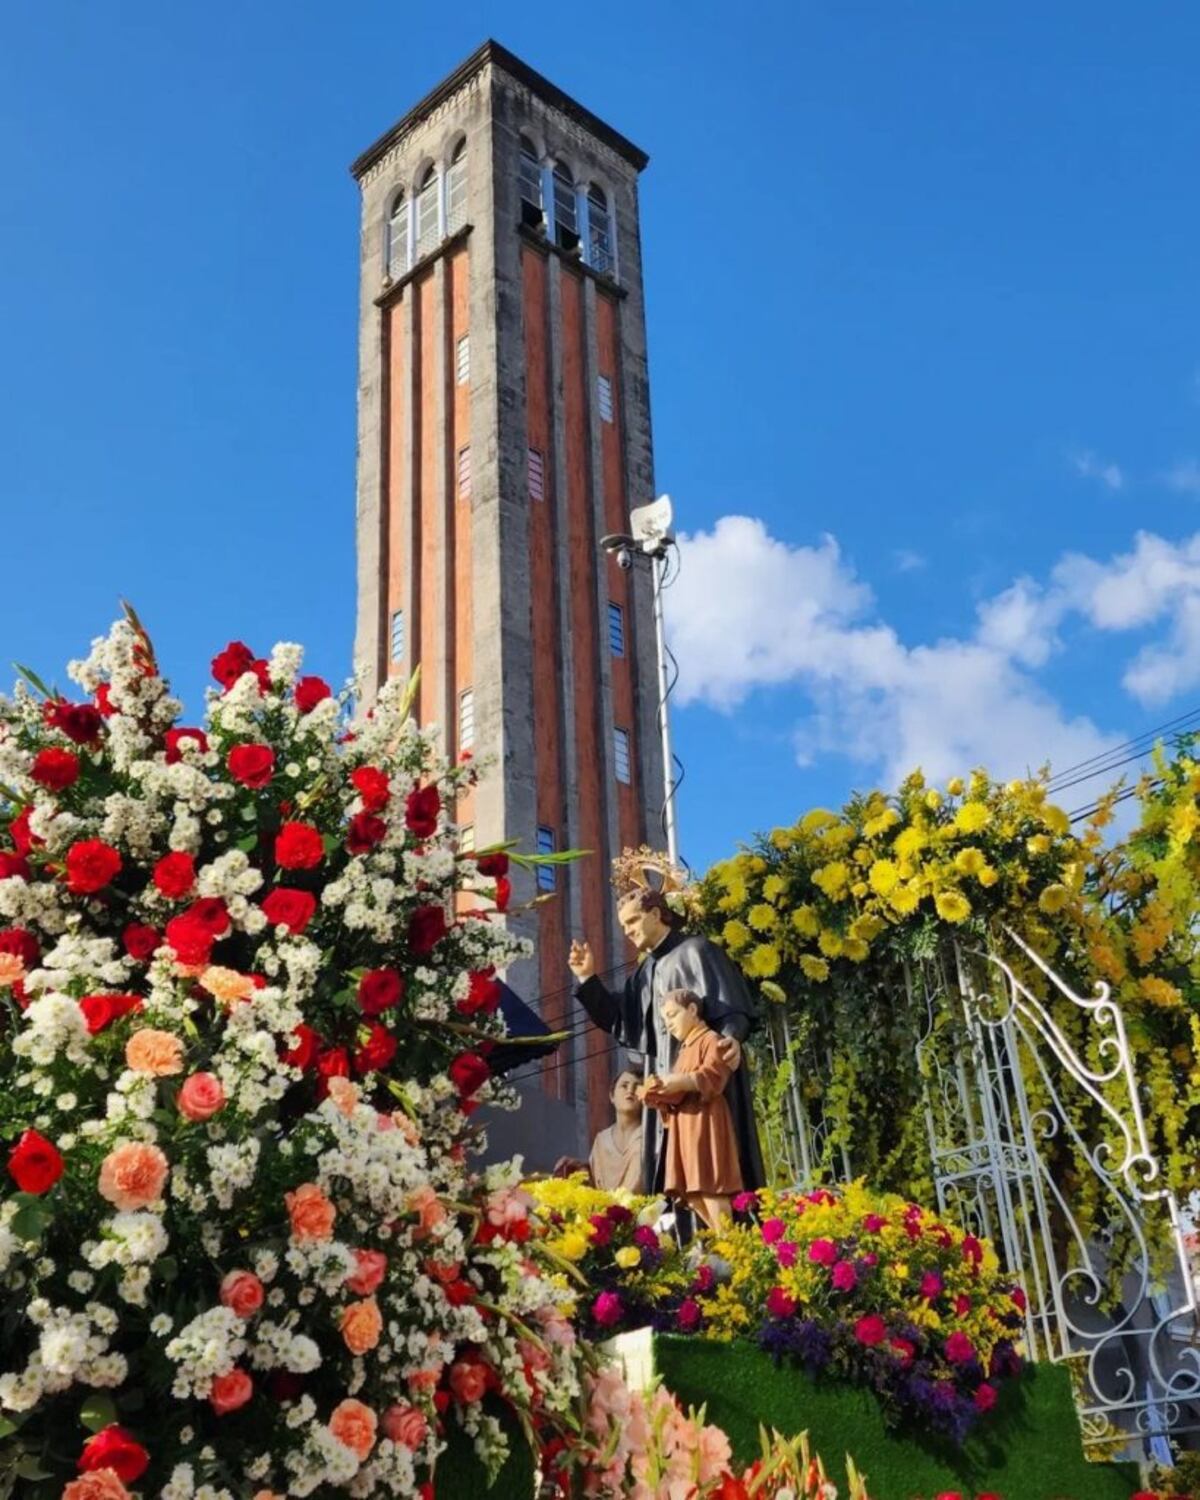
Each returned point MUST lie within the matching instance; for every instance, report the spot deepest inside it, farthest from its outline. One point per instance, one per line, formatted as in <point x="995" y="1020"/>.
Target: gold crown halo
<point x="646" y="869"/>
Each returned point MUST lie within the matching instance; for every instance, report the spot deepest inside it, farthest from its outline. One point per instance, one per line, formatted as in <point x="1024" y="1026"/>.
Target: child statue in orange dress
<point x="701" y="1154"/>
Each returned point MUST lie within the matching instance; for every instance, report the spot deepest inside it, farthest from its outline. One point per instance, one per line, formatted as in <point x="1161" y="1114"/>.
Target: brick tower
<point x="503" y="428"/>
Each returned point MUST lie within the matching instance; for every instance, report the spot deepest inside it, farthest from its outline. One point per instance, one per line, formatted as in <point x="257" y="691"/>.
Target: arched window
<point x="427" y="213"/>
<point x="566" y="219"/>
<point x="529" y="176"/>
<point x="456" y="189"/>
<point x="397" y="238"/>
<point x="600" y="244"/>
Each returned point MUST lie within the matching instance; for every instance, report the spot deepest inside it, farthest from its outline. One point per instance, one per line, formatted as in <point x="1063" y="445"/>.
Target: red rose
<point x="190" y="939"/>
<point x="298" y="846"/>
<point x="34" y="1163"/>
<point x="91" y="865"/>
<point x="334" y="1062"/>
<point x="468" y="1073"/>
<point x="116" y="1449"/>
<point x="55" y="769"/>
<point x="21" y="833"/>
<point x="421" y="811"/>
<point x="100" y="1011"/>
<point x="377" y="1051"/>
<point x="81" y="722"/>
<point x="141" y="942"/>
<point x="104" y="705"/>
<point x="176" y="738"/>
<point x="230" y="664"/>
<point x="493" y="866"/>
<point x="379" y="990"/>
<point x="484" y="994"/>
<point x="210" y="912"/>
<point x="13" y="864"/>
<point x="426" y="929"/>
<point x="365" y="832"/>
<point x="304" y="1053"/>
<point x="252" y="765"/>
<point x="289" y="908"/>
<point x="310" y="691"/>
<point x="175" y="875"/>
<point x="228" y="1392"/>
<point x="22" y="944"/>
<point x="372" y="786"/>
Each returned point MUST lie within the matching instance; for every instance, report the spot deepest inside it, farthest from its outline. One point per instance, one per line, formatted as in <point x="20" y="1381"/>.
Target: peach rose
<point x="423" y="1382"/>
<point x="406" y="1425"/>
<point x="406" y="1127"/>
<point x="468" y="1380"/>
<point x="11" y="970"/>
<point x="242" y="1293"/>
<point x="226" y="985"/>
<point x="268" y="1495"/>
<point x="384" y="1121"/>
<point x="424" y="1202"/>
<point x="311" y="1213"/>
<point x="354" y="1424"/>
<point x="100" y="1484"/>
<point x="372" y="1268"/>
<point x="159" y="1053"/>
<point x="201" y="1097"/>
<point x="228" y="1392"/>
<point x="133" y="1175"/>
<point x="362" y="1325"/>
<point x="344" y="1095"/>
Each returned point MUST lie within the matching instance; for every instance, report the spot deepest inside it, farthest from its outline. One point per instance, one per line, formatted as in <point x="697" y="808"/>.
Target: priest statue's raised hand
<point x="670" y="958"/>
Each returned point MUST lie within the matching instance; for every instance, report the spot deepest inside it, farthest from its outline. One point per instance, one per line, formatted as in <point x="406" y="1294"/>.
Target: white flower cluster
<point x="210" y="1345"/>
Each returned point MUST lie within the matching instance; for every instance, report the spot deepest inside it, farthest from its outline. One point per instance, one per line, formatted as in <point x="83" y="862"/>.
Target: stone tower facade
<point x="503" y="429"/>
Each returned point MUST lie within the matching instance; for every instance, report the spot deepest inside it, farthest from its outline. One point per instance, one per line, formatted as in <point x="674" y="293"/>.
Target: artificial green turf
<point x="1028" y="1448"/>
<point x="460" y="1475"/>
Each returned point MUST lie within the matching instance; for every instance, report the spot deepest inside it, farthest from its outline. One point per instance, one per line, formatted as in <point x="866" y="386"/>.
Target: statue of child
<point x="702" y="1167"/>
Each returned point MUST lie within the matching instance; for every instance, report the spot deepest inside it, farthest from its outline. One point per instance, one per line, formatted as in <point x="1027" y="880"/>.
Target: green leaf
<point x="32" y="678"/>
<point x="247" y="844"/>
<point x="97" y="1412"/>
<point x="7" y="1427"/>
<point x="167" y="1267"/>
<point x="248" y="813"/>
<point x="30" y="1221"/>
<point x="30" y="1467"/>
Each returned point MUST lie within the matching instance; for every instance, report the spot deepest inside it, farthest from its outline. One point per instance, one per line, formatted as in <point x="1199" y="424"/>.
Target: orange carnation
<point x="428" y="1207"/>
<point x="354" y="1424"/>
<point x="311" y="1213"/>
<point x="362" y="1325"/>
<point x="226" y="985"/>
<point x="159" y="1053"/>
<point x="11" y="970"/>
<point x="100" y="1484"/>
<point x="133" y="1175"/>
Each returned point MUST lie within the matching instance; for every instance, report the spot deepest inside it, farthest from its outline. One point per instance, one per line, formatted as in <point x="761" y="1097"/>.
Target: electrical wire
<point x="1139" y="744"/>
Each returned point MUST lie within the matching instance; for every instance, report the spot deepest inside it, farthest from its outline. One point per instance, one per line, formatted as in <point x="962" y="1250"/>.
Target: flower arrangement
<point x="867" y="1286"/>
<point x="247" y="984"/>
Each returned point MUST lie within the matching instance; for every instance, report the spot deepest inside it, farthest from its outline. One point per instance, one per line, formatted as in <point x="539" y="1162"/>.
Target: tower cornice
<point x="493" y="52"/>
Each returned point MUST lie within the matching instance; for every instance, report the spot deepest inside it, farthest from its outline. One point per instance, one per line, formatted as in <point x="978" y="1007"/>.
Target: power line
<point x="1146" y="738"/>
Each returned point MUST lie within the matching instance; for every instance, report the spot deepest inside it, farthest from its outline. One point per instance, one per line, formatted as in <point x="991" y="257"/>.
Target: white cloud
<point x="1088" y="466"/>
<point x="908" y="561"/>
<point x="1184" y="477"/>
<point x="750" y="611"/>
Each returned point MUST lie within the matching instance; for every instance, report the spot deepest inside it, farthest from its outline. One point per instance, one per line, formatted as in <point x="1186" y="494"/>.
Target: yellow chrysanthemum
<point x="904" y="899"/>
<point x="881" y="822"/>
<point x="933" y="799"/>
<point x="627" y="1257"/>
<point x="988" y="875"/>
<point x="863" y="855"/>
<point x="956" y="786"/>
<point x="762" y="962"/>
<point x="735" y="935"/>
<point x="884" y="876"/>
<point x="866" y="927"/>
<point x="762" y="917"/>
<point x="783" y="838"/>
<point x="818" y="818"/>
<point x="855" y="949"/>
<point x="910" y="841"/>
<point x="773" y="886"/>
<point x="859" y="889"/>
<point x="830" y="944"/>
<point x="831" y="879"/>
<point x="1038" y="844"/>
<point x="970" y="861"/>
<point x="972" y="817"/>
<point x="805" y="921"/>
<point x="952" y="906"/>
<point x="1159" y="991"/>
<point x="814" y="968"/>
<point x="1056" y="820"/>
<point x="573" y="1245"/>
<point x="1054" y="898"/>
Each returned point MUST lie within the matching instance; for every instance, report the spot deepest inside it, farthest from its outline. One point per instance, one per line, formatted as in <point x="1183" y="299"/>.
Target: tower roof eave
<point x="493" y="52"/>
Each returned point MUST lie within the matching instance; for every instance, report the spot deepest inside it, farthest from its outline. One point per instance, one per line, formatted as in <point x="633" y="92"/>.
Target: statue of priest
<point x="670" y="959"/>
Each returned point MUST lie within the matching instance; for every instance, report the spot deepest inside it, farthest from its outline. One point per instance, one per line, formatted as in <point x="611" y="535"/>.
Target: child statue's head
<point x="682" y="1011"/>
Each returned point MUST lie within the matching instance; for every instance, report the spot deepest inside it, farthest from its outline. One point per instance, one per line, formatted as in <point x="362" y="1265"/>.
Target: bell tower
<point x="503" y="428"/>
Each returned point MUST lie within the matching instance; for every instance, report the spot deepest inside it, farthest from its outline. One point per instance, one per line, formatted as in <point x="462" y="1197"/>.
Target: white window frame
<point x="466" y="719"/>
<point x="621" y="756"/>
<point x="396" y="255"/>
<point x="566" y="203"/>
<point x="604" y="397"/>
<point x="462" y="360"/>
<point x="616" y="628"/>
<point x="547" y="843"/>
<point x="530" y="173"/>
<point x="456" y="190"/>
<point x="537" y="474"/>
<point x="600" y="254"/>
<point x="462" y="473"/>
<point x="466" y="838"/>
<point x="397" y="636"/>
<point x="428" y="203"/>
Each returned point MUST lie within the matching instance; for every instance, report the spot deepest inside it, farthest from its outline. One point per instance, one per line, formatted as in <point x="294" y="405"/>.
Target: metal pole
<point x="658" y="566"/>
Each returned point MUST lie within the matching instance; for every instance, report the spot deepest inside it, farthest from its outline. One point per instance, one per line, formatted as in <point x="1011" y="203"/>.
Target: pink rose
<point x="468" y="1380"/>
<point x="406" y="1425"/>
<point x="372" y="1268"/>
<point x="242" y="1293"/>
<point x="228" y="1392"/>
<point x="201" y="1097"/>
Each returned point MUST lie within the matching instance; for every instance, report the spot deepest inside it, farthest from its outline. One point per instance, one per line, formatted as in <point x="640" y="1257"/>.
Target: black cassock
<point x="632" y="1017"/>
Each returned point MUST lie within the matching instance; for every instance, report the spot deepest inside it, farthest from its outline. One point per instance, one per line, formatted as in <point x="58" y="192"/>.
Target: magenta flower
<point x="959" y="1349"/>
<point x="744" y="1203"/>
<point x="779" y="1303"/>
<point x="689" y="1315"/>
<point x="785" y="1254"/>
<point x="772" y="1230"/>
<point x="985" y="1397"/>
<point x="873" y="1223"/>
<point x="822" y="1252"/>
<point x="870" y="1330"/>
<point x="931" y="1285"/>
<point x="607" y="1309"/>
<point x="845" y="1277"/>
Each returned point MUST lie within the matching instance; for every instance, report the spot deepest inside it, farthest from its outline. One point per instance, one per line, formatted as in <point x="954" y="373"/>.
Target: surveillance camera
<point x="625" y="559"/>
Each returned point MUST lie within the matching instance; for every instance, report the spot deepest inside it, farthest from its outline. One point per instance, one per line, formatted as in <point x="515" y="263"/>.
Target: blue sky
<point x="923" y="312"/>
